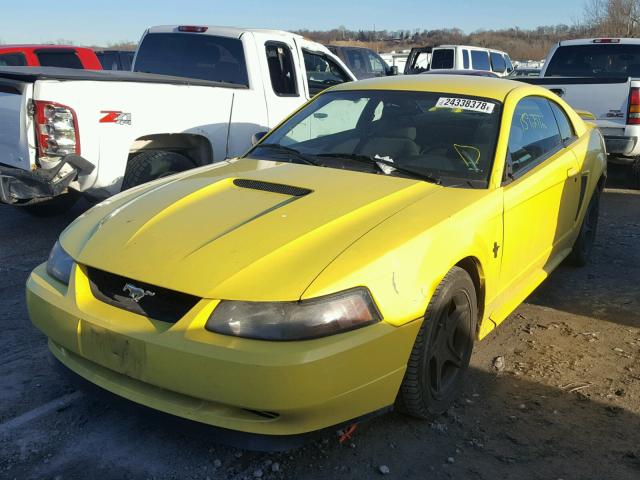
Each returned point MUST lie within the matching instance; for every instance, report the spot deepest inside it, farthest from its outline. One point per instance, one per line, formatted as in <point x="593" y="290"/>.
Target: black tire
<point x="635" y="173"/>
<point x="56" y="206"/>
<point x="442" y="350"/>
<point x="153" y="164"/>
<point x="583" y="246"/>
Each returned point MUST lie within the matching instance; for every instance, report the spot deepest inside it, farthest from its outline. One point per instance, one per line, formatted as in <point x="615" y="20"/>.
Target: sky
<point x="99" y="23"/>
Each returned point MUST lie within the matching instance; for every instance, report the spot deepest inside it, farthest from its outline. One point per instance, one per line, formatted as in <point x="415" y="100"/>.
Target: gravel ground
<point x="553" y="393"/>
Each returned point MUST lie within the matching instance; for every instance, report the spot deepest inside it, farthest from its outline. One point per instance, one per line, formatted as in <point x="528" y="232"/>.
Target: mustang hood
<point x="249" y="230"/>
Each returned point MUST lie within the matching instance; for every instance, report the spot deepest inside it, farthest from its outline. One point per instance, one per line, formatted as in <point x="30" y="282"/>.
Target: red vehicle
<point x="48" y="56"/>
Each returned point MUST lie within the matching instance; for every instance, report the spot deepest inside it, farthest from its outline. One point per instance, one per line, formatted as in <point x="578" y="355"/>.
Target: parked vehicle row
<point x="63" y="56"/>
<point x="63" y="132"/>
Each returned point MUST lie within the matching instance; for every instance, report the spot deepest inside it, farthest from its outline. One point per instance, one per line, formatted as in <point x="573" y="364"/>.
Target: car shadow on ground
<point x="607" y="288"/>
<point x="503" y="427"/>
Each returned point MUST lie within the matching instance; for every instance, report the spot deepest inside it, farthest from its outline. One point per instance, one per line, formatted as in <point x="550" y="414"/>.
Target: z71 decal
<point x="114" y="116"/>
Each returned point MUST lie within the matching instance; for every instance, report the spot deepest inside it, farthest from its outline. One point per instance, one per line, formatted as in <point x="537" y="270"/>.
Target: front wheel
<point x="583" y="246"/>
<point x="442" y="350"/>
<point x="153" y="164"/>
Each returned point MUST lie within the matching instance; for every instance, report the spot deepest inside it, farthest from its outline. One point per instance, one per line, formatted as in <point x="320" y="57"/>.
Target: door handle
<point x="572" y="172"/>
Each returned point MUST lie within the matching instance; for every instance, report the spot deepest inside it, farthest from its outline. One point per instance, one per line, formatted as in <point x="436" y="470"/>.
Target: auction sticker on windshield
<point x="465" y="104"/>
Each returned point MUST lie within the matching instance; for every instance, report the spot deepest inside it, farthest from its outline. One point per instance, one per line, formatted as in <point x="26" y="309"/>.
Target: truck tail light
<point x="633" y="118"/>
<point x="606" y="40"/>
<point x="192" y="28"/>
<point x="56" y="129"/>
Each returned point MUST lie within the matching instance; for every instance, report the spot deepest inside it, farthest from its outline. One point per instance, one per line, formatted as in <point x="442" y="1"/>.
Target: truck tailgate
<point x="606" y="98"/>
<point x="14" y="134"/>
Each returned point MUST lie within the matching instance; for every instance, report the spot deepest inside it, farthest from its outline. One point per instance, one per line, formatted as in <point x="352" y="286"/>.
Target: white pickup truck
<point x="197" y="95"/>
<point x="601" y="76"/>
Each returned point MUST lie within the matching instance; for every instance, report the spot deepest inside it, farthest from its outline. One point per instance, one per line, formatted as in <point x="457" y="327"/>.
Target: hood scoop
<point x="272" y="187"/>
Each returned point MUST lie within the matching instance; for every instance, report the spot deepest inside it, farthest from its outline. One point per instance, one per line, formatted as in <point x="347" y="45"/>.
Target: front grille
<point x="156" y="303"/>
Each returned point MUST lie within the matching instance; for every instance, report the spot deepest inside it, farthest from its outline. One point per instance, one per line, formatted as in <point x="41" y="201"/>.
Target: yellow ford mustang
<point x="346" y="264"/>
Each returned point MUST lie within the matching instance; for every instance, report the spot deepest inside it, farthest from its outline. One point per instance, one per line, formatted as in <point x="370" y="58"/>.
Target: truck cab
<point x="64" y="56"/>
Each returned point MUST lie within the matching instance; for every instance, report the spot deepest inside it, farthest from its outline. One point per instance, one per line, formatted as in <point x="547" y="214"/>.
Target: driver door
<point x="540" y="195"/>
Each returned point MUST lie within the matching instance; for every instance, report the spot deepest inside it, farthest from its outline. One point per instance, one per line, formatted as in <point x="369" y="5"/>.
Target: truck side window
<point x="12" y="60"/>
<point x="480" y="60"/>
<point x="566" y="130"/>
<point x="322" y="72"/>
<point x="465" y="58"/>
<point x="497" y="62"/>
<point x="281" y="69"/>
<point x="534" y="134"/>
<point x="378" y="67"/>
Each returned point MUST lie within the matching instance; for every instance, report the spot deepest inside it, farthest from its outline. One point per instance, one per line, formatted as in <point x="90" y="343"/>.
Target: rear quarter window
<point x="480" y="60"/>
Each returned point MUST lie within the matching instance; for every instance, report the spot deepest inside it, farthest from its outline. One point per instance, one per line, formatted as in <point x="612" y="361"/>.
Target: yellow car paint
<point x="198" y="234"/>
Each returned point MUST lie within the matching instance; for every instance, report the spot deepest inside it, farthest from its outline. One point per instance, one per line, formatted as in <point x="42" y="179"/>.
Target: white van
<point x="462" y="57"/>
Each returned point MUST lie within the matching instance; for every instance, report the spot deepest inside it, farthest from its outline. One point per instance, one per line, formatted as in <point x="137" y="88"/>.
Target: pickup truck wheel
<point x="442" y="350"/>
<point x="56" y="206"/>
<point x="635" y="173"/>
<point x="153" y="164"/>
<point x="583" y="246"/>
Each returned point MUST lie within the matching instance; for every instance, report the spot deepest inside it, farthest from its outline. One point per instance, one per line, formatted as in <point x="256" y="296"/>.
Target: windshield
<point x="193" y="55"/>
<point x="449" y="137"/>
<point x="596" y="60"/>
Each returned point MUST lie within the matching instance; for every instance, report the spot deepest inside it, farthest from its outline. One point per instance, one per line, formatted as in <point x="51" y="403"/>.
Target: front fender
<point x="403" y="260"/>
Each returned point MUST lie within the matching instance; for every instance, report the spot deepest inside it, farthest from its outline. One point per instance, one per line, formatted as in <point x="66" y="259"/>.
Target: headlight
<point x="301" y="320"/>
<point x="59" y="264"/>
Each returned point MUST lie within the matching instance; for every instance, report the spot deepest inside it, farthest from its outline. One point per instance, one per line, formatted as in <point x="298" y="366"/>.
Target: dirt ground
<point x="566" y="405"/>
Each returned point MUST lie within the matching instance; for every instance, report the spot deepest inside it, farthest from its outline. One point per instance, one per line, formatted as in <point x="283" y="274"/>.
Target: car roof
<point x="590" y="41"/>
<point x="40" y="46"/>
<point x="495" y="88"/>
<point x="234" y="32"/>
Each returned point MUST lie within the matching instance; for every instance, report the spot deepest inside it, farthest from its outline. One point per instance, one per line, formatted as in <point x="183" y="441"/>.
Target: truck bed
<point x="31" y="74"/>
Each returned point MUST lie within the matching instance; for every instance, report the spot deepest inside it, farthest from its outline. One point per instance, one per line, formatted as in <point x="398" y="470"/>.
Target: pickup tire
<point x="583" y="245"/>
<point x="442" y="350"/>
<point x="56" y="206"/>
<point x="153" y="164"/>
<point x="635" y="173"/>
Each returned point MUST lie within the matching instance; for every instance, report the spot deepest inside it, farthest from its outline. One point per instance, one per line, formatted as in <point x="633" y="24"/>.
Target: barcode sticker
<point x="465" y="104"/>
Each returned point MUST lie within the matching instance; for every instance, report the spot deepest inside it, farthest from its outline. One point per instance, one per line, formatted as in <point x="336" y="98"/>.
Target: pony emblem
<point x="136" y="293"/>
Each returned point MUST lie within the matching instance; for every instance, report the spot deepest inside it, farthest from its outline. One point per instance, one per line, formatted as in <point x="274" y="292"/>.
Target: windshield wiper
<point x="292" y="151"/>
<point x="377" y="161"/>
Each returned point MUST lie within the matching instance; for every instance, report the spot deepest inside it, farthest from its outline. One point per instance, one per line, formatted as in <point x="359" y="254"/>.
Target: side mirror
<point x="393" y="70"/>
<point x="256" y="137"/>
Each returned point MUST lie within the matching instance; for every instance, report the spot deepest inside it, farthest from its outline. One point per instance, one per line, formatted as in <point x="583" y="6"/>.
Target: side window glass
<point x="480" y="60"/>
<point x="281" y="69"/>
<point x="465" y="58"/>
<point x="507" y="60"/>
<point x="322" y="72"/>
<point x="497" y="62"/>
<point x="377" y="67"/>
<point x="534" y="134"/>
<point x="357" y="62"/>
<point x="566" y="130"/>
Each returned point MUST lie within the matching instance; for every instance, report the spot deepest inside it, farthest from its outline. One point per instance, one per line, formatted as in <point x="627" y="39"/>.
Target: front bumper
<point x="620" y="145"/>
<point x="24" y="187"/>
<point x="271" y="388"/>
